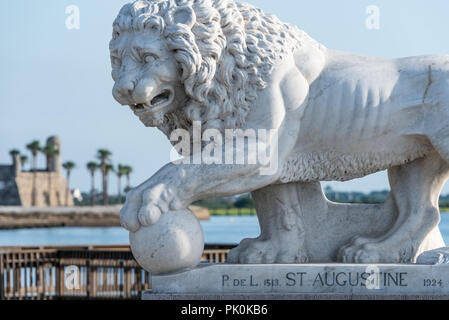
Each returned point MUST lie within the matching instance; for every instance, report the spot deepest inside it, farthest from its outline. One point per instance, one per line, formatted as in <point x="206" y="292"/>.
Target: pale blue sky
<point x="57" y="81"/>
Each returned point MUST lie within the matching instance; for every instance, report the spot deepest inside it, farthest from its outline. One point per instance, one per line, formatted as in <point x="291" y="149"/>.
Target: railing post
<point x="122" y="286"/>
<point x="93" y="279"/>
<point x="24" y="258"/>
<point x="16" y="268"/>
<point x="58" y="279"/>
<point x="138" y="281"/>
<point x="2" y="280"/>
<point x="88" y="279"/>
<point x="126" y="280"/>
<point x="61" y="279"/>
<point x="40" y="277"/>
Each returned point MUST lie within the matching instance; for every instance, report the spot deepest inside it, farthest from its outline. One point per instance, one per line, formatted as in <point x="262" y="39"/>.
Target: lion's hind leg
<point x="415" y="188"/>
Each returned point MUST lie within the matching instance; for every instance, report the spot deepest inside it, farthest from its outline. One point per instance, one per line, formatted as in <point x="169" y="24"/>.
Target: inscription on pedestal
<point x="308" y="278"/>
<point x="327" y="279"/>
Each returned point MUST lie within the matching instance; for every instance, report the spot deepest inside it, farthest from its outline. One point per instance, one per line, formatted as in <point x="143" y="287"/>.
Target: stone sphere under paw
<point x="174" y="243"/>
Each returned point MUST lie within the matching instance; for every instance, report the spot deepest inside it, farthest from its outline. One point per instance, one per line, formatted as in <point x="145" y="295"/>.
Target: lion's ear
<point x="182" y="15"/>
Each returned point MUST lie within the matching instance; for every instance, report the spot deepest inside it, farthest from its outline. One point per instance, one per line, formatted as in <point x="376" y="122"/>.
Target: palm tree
<point x="14" y="153"/>
<point x="128" y="170"/>
<point x="34" y="147"/>
<point x="49" y="151"/>
<point x="121" y="170"/>
<point x="103" y="155"/>
<point x="23" y="160"/>
<point x="107" y="169"/>
<point x="68" y="166"/>
<point x="92" y="167"/>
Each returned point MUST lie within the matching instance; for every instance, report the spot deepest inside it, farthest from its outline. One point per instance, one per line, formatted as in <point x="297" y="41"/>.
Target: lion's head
<point x="179" y="61"/>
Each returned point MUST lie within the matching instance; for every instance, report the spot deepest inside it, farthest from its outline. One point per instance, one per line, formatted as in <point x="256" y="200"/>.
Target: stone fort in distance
<point x="16" y="185"/>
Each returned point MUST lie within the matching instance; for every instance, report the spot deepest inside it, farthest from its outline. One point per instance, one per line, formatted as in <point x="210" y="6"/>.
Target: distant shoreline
<point x="16" y="217"/>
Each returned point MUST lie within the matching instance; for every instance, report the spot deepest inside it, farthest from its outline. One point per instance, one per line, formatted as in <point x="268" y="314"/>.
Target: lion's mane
<point x="226" y="55"/>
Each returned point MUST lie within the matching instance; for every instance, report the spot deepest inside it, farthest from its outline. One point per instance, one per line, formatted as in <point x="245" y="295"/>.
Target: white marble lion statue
<point x="338" y="116"/>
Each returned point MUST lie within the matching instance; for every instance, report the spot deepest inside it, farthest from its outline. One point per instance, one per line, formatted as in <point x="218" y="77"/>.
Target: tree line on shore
<point x="244" y="204"/>
<point x="105" y="166"/>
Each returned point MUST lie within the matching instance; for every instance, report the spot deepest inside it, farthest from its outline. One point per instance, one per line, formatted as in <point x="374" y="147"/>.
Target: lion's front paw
<point x="149" y="214"/>
<point x="128" y="214"/>
<point x="129" y="221"/>
<point x="144" y="207"/>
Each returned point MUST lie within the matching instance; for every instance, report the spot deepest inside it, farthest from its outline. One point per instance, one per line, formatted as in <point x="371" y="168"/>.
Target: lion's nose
<point x="126" y="88"/>
<point x="123" y="91"/>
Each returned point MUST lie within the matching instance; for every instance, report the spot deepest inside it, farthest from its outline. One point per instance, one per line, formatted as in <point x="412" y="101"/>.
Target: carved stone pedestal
<point x="303" y="281"/>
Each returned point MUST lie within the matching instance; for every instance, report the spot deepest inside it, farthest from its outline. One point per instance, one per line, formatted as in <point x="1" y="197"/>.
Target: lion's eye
<point x="116" y="62"/>
<point x="149" y="58"/>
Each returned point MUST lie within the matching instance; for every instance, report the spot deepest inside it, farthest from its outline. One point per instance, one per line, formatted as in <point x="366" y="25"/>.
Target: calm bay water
<point x="219" y="230"/>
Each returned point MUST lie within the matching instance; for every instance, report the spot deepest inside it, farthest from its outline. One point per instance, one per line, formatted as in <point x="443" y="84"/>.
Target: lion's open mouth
<point x="159" y="101"/>
<point x="161" y="98"/>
